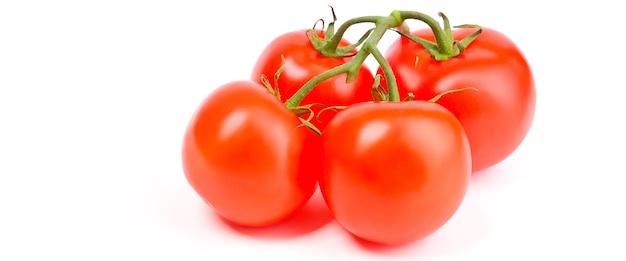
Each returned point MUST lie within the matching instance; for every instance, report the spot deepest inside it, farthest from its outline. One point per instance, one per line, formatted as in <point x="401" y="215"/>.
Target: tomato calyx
<point x="329" y="46"/>
<point x="273" y="87"/>
<point x="441" y="94"/>
<point x="444" y="47"/>
<point x="379" y="93"/>
<point x="301" y="111"/>
<point x="333" y="108"/>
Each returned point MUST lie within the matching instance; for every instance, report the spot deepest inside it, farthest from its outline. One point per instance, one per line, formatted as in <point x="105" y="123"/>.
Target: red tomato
<point x="243" y="155"/>
<point x="303" y="62"/>
<point x="395" y="172"/>
<point x="498" y="116"/>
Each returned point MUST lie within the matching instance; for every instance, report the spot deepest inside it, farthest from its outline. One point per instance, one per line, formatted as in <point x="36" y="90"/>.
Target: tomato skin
<point x="395" y="172"/>
<point x="499" y="115"/>
<point x="303" y="62"/>
<point x="243" y="155"/>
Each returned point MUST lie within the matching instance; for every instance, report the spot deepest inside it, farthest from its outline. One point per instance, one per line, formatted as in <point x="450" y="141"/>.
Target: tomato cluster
<point x="392" y="153"/>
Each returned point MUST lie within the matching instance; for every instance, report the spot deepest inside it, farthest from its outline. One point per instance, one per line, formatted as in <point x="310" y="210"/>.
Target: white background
<point x="95" y="96"/>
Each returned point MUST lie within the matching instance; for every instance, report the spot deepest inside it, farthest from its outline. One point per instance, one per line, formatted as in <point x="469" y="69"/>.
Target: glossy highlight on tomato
<point x="395" y="172"/>
<point x="243" y="155"/>
<point x="498" y="115"/>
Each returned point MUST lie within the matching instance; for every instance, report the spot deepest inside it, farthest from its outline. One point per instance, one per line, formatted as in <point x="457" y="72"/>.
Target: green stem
<point x="390" y="77"/>
<point x="352" y="67"/>
<point x="444" y="48"/>
<point x="297" y="97"/>
<point x="334" y="42"/>
<point x="444" y="41"/>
